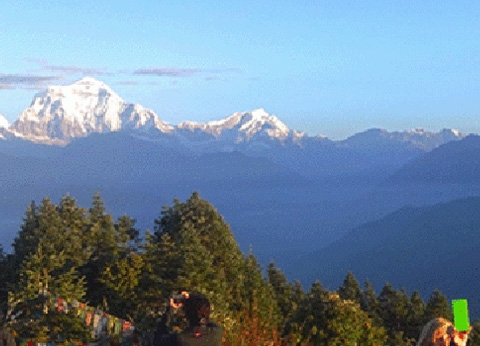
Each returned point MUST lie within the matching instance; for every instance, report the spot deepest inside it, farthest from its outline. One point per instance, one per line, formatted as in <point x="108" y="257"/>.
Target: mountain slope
<point x="416" y="140"/>
<point x="455" y="162"/>
<point x="137" y="177"/>
<point x="87" y="106"/>
<point x="448" y="172"/>
<point x="415" y="248"/>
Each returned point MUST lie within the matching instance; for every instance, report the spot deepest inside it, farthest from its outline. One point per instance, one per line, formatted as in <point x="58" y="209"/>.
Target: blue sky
<point x="324" y="67"/>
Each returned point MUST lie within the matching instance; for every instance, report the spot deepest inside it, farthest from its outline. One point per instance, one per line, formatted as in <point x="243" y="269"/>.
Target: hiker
<point x="200" y="330"/>
<point x="6" y="337"/>
<point x="441" y="332"/>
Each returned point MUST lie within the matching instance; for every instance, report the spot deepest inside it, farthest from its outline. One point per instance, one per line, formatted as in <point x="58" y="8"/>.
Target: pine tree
<point x="326" y="319"/>
<point x="259" y="295"/>
<point x="415" y="316"/>
<point x="370" y="304"/>
<point x="437" y="306"/>
<point x="350" y="289"/>
<point x="48" y="267"/>
<point x="100" y="246"/>
<point x="298" y="295"/>
<point x="394" y="307"/>
<point x="48" y="264"/>
<point x="204" y="247"/>
<point x="122" y="272"/>
<point x="284" y="291"/>
<point x="24" y="244"/>
<point x="193" y="248"/>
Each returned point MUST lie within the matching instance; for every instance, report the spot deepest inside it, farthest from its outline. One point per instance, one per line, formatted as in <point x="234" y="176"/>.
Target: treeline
<point x="64" y="250"/>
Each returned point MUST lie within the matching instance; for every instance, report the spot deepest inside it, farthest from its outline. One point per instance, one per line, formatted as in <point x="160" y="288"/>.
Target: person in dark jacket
<point x="201" y="331"/>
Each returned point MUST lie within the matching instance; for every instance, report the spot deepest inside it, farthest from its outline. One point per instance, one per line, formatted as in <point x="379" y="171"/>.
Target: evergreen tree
<point x="394" y="307"/>
<point x="437" y="306"/>
<point x="370" y="304"/>
<point x="24" y="244"/>
<point x="193" y="248"/>
<point x="350" y="289"/>
<point x="100" y="247"/>
<point x="415" y="316"/>
<point x="326" y="319"/>
<point x="48" y="264"/>
<point x="284" y="291"/>
<point x="48" y="267"/>
<point x="205" y="253"/>
<point x="298" y="295"/>
<point x="122" y="273"/>
<point x="258" y="295"/>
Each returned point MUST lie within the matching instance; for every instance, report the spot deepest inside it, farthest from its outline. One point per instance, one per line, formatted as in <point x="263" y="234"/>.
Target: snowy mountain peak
<point x="417" y="138"/>
<point x="243" y="126"/>
<point x="3" y="122"/>
<point x="64" y="112"/>
<point x="453" y="132"/>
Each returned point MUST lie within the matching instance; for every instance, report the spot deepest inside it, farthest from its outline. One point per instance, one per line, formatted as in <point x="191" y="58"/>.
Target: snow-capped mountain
<point x="243" y="127"/>
<point x="3" y="122"/>
<point x="4" y="132"/>
<point x="64" y="112"/>
<point x="418" y="139"/>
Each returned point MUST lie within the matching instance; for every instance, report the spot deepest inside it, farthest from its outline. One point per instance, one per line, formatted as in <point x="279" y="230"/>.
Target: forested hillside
<point x="85" y="254"/>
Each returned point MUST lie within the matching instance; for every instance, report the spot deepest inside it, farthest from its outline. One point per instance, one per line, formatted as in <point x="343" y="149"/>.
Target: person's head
<point x="441" y="332"/>
<point x="197" y="309"/>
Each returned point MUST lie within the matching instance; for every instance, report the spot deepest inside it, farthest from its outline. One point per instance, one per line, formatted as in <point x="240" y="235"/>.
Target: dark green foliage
<point x="100" y="246"/>
<point x="326" y="319"/>
<point x="287" y="296"/>
<point x="394" y="306"/>
<point x="437" y="306"/>
<point x="195" y="248"/>
<point x="370" y="303"/>
<point x="258" y="295"/>
<point x="66" y="327"/>
<point x="415" y="317"/>
<point x="64" y="251"/>
<point x="350" y="289"/>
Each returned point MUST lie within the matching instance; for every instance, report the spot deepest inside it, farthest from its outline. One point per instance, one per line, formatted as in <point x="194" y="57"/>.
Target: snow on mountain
<point x="243" y="127"/>
<point x="3" y="122"/>
<point x="4" y="132"/>
<point x="64" y="112"/>
<point x="420" y="139"/>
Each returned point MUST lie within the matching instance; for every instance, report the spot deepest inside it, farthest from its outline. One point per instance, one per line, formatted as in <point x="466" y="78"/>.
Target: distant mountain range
<point x="285" y="193"/>
<point x="60" y="114"/>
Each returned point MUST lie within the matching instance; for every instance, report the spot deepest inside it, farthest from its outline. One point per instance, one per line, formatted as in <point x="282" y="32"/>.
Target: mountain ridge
<point x="418" y="248"/>
<point x="60" y="114"/>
